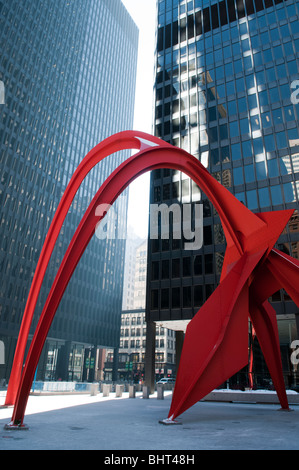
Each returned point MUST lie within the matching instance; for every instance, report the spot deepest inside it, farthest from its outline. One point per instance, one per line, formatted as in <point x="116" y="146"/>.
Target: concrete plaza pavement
<point x="85" y="422"/>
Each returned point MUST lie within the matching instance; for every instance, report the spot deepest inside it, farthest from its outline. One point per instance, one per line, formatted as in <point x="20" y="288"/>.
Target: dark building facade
<point x="225" y="74"/>
<point x="69" y="73"/>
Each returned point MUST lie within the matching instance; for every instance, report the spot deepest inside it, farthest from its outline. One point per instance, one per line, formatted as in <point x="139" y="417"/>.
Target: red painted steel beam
<point x="250" y="238"/>
<point x="121" y="141"/>
<point x="113" y="186"/>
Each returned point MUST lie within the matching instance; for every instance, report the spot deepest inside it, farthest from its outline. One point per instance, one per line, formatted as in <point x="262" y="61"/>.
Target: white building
<point x="133" y="324"/>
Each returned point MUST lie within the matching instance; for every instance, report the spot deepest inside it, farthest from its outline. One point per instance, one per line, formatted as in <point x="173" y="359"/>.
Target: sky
<point x="143" y="13"/>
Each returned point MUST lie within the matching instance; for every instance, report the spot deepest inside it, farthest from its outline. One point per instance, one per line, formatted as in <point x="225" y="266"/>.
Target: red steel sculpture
<point x="216" y="340"/>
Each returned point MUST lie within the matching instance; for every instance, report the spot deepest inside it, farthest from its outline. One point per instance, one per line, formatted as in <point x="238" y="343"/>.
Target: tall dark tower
<point x="223" y="92"/>
<point x="69" y="72"/>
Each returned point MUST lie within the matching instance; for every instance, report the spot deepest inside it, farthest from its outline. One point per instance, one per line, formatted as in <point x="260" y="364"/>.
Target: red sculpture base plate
<point x="169" y="421"/>
<point x="16" y="427"/>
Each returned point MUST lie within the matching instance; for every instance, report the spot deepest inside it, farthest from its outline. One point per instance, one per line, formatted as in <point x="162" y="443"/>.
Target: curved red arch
<point x="121" y="141"/>
<point x="250" y="238"/>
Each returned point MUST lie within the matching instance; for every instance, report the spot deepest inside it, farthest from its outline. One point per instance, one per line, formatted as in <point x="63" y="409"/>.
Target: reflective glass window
<point x="266" y="120"/>
<point x="248" y="62"/>
<point x="240" y="84"/>
<point x="295" y="27"/>
<point x="285" y="165"/>
<point x="238" y="176"/>
<point x="285" y="91"/>
<point x="228" y="69"/>
<point x="255" y="122"/>
<point x="288" y="48"/>
<point x="197" y="265"/>
<point x="281" y="140"/>
<point x="289" y="192"/>
<point x="155" y="270"/>
<point x="154" y="299"/>
<point x="209" y="58"/>
<point x="232" y="108"/>
<point x="241" y="196"/>
<point x="165" y="269"/>
<point x="250" y="81"/>
<point x="274" y="95"/>
<point x="243" y="28"/>
<point x="252" y="24"/>
<point x="213" y="133"/>
<point x="276" y="195"/>
<point x="285" y="31"/>
<point x="244" y="126"/>
<point x="277" y="116"/>
<point x="289" y="113"/>
<point x="242" y="105"/>
<point x="281" y="71"/>
<point x="258" y="146"/>
<point x="258" y="59"/>
<point x="252" y="101"/>
<point x="265" y="39"/>
<point x="261" y="172"/>
<point x="215" y="156"/>
<point x="274" y="34"/>
<point x="234" y="129"/>
<point x="267" y="55"/>
<point x="220" y="91"/>
<point x="264" y="197"/>
<point x="218" y="55"/>
<point x="260" y="78"/>
<point x="225" y="33"/>
<point x="212" y="113"/>
<point x="270" y="73"/>
<point x="236" y="152"/>
<point x="223" y="132"/>
<point x="295" y="163"/>
<point x="246" y="149"/>
<point x="237" y="48"/>
<point x="238" y="66"/>
<point x="227" y="52"/>
<point x="249" y="173"/>
<point x="255" y="42"/>
<point x="176" y="267"/>
<point x="245" y="45"/>
<point x="269" y="143"/>
<point x="164" y="298"/>
<point x="166" y="191"/>
<point x="230" y="88"/>
<point x="175" y="297"/>
<point x="293" y="137"/>
<point x="278" y="52"/>
<point x="198" y="295"/>
<point x="273" y="168"/>
<point x="263" y="98"/>
<point x="225" y="155"/>
<point x="252" y="199"/>
<point x="209" y="264"/>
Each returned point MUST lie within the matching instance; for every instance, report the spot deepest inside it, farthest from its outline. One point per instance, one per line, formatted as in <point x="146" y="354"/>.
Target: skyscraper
<point x="225" y="73"/>
<point x="69" y="72"/>
<point x="133" y="330"/>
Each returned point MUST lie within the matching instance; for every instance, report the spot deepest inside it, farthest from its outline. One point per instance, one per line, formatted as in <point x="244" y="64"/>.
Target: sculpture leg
<point x="250" y="366"/>
<point x="265" y="324"/>
<point x="148" y="159"/>
<point x="210" y="358"/>
<point x="115" y="143"/>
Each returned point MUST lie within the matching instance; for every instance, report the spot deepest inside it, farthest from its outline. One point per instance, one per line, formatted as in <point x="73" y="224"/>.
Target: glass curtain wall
<point x="69" y="72"/>
<point x="225" y="74"/>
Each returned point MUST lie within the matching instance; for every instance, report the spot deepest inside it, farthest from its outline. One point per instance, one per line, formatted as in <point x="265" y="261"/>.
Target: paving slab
<point x="125" y="424"/>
